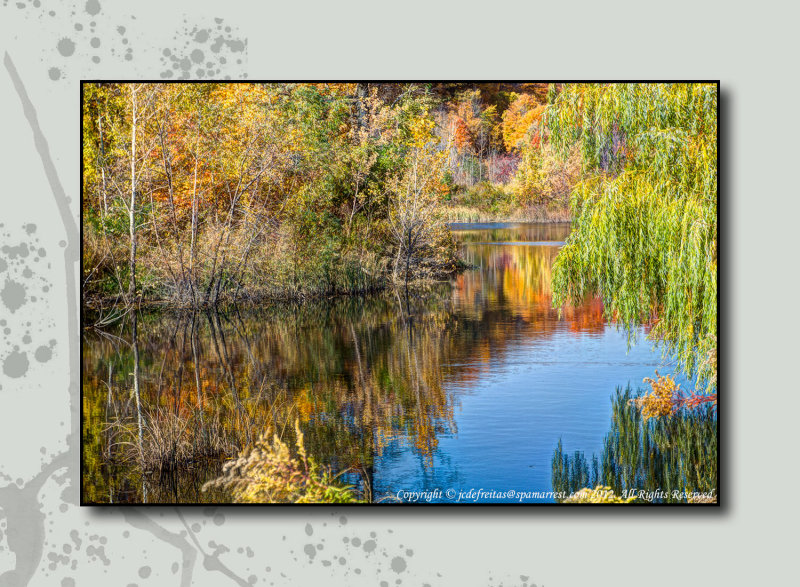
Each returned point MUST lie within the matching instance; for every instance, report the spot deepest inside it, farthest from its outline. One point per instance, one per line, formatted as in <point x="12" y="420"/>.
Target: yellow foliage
<point x="269" y="473"/>
<point x="543" y="177"/>
<point x="305" y="404"/>
<point x="600" y="494"/>
<point x="662" y="400"/>
<point x="423" y="131"/>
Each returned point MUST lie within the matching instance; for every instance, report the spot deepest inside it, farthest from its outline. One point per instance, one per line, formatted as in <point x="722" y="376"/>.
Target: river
<point x="466" y="387"/>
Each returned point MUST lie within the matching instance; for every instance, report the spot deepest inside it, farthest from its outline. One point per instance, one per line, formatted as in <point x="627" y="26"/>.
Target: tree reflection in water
<point x="667" y="454"/>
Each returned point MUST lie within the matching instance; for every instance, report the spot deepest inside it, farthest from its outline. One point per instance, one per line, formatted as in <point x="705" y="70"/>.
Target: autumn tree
<point x="122" y="151"/>
<point x="523" y="112"/>
<point x="245" y="189"/>
<point x="414" y="217"/>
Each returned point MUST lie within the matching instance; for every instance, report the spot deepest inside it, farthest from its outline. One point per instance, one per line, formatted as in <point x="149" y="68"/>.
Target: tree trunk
<point x="102" y="167"/>
<point x="396" y="272"/>
<point x="180" y="284"/>
<point x="408" y="256"/>
<point x="136" y="394"/>
<point x="362" y="91"/>
<point x="132" y="208"/>
<point x="192" y="279"/>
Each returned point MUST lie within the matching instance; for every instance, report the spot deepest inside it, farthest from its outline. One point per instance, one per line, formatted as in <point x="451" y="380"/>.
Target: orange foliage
<point x="667" y="398"/>
<point x="523" y="112"/>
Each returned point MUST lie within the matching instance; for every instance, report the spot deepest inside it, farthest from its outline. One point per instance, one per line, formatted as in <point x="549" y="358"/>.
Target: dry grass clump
<point x="169" y="440"/>
<point x="270" y="472"/>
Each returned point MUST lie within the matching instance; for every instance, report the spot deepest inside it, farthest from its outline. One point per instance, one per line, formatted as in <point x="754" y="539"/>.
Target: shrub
<point x="269" y="472"/>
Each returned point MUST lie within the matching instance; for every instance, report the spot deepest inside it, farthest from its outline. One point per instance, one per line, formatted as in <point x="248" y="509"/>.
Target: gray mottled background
<point x="49" y="45"/>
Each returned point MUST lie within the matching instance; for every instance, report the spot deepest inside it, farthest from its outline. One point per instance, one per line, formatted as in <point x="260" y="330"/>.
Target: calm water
<point x="467" y="387"/>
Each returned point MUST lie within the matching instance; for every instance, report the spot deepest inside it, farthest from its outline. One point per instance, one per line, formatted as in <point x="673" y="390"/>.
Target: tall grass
<point x="170" y="441"/>
<point x="270" y="266"/>
<point x="271" y="472"/>
<point x="494" y="203"/>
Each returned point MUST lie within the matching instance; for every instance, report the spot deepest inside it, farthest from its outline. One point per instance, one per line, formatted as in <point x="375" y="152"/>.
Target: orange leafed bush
<point x="667" y="398"/>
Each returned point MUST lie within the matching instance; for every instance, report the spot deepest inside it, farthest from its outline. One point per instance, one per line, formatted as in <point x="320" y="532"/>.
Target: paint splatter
<point x="204" y="52"/>
<point x="16" y="364"/>
<point x="66" y="47"/>
<point x="398" y="564"/>
<point x="13" y="295"/>
<point x="310" y="551"/>
<point x="92" y="7"/>
<point x="43" y="354"/>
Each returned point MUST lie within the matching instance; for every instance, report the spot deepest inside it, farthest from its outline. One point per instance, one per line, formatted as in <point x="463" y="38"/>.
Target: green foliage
<point x="645" y="235"/>
<point x="486" y="196"/>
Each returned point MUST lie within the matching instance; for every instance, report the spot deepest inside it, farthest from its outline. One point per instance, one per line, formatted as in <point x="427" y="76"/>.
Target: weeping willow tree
<point x="645" y="214"/>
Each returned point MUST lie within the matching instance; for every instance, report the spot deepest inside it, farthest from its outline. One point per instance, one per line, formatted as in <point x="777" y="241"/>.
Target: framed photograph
<point x="400" y="293"/>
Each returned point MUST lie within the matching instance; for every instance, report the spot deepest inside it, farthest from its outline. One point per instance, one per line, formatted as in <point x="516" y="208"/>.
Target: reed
<point x="168" y="441"/>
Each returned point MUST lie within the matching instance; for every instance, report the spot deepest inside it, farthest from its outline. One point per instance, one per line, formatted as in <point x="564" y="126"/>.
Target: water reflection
<point x="469" y="384"/>
<point x="660" y="456"/>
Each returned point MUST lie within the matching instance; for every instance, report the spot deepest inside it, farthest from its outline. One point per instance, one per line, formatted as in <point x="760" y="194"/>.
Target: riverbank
<point x="276" y="287"/>
<point x="541" y="214"/>
<point x="275" y="269"/>
<point x="100" y="310"/>
<point x="497" y="203"/>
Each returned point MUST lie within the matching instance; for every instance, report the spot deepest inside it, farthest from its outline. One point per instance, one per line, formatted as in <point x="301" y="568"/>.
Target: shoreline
<point x="459" y="215"/>
<point x="265" y="298"/>
<point x="253" y="301"/>
<point x="490" y="220"/>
